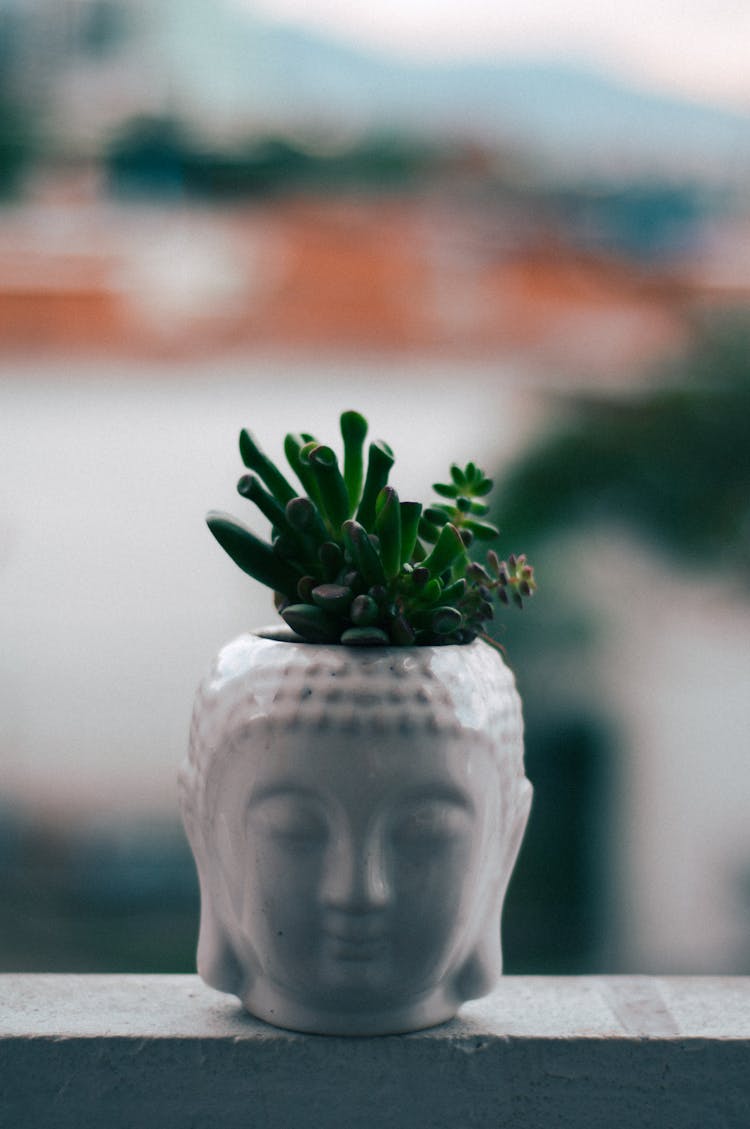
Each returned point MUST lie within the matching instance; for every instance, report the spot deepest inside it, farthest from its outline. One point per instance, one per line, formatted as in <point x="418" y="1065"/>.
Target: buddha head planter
<point x="354" y="793"/>
<point x="355" y="815"/>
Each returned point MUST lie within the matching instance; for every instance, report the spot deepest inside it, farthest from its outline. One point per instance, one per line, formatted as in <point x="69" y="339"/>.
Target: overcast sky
<point x="700" y="48"/>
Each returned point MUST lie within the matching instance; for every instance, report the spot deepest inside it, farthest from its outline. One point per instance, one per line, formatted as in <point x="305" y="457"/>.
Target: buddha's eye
<point x="430" y="822"/>
<point x="290" y="819"/>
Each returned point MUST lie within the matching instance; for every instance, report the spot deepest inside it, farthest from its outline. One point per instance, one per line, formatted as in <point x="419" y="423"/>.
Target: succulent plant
<point x="350" y="563"/>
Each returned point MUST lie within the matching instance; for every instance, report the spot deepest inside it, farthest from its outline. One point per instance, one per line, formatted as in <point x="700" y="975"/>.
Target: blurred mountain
<point x="281" y="76"/>
<point x="231" y="72"/>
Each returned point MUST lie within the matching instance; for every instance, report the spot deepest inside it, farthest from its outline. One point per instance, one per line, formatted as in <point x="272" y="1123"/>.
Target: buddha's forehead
<point x="387" y="768"/>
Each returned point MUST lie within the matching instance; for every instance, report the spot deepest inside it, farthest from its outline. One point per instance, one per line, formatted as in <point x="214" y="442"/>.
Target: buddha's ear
<point x="518" y="818"/>
<point x="217" y="960"/>
<point x="484" y="964"/>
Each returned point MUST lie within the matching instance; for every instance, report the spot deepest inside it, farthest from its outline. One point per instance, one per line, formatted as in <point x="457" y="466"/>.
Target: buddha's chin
<point x="369" y="968"/>
<point x="352" y="1010"/>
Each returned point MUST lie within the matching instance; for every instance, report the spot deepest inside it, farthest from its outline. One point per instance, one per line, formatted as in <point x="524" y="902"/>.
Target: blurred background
<point x="517" y="237"/>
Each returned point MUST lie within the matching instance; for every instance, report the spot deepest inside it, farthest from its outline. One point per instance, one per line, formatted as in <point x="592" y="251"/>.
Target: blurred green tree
<point x="672" y="461"/>
<point x="159" y="156"/>
<point x="17" y="143"/>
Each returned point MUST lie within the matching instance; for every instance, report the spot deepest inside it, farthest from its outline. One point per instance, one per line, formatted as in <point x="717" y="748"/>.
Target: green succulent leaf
<point x="445" y="620"/>
<point x="265" y="468"/>
<point x="484" y="530"/>
<point x="334" y="598"/>
<point x="431" y="593"/>
<point x="454" y="592"/>
<point x="428" y="531"/>
<point x="312" y="623"/>
<point x="305" y="586"/>
<point x="253" y="556"/>
<point x="302" y="516"/>
<point x="288" y="548"/>
<point x="446" y="490"/>
<point x="401" y="632"/>
<point x="364" y="611"/>
<point x="334" y="499"/>
<point x="448" y="548"/>
<point x="388" y="529"/>
<point x="365" y="637"/>
<point x="363" y="553"/>
<point x="331" y="558"/>
<point x="410" y="515"/>
<point x="293" y="447"/>
<point x="353" y="432"/>
<point x="250" y="487"/>
<point x="379" y="463"/>
<point x="395" y="573"/>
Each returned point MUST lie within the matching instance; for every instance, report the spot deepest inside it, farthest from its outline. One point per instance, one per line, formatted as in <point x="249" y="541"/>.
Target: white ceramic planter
<point x="355" y="815"/>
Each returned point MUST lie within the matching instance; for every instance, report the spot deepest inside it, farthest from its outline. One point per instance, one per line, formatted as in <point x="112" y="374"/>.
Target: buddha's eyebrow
<point x="436" y="794"/>
<point x="293" y="792"/>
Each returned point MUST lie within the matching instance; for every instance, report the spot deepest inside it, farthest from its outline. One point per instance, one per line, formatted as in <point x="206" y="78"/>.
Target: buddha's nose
<point x="356" y="875"/>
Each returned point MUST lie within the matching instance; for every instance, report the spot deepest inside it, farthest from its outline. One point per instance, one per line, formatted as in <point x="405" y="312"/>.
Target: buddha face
<point x="361" y="879"/>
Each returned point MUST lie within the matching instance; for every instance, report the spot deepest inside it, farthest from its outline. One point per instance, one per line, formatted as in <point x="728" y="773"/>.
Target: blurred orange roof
<point x="355" y="273"/>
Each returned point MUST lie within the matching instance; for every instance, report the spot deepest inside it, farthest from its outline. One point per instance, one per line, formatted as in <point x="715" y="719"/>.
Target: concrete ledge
<point x="540" y="1053"/>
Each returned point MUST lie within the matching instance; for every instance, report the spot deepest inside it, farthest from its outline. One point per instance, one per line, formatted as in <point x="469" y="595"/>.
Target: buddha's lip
<point x="356" y="944"/>
<point x="356" y="936"/>
<point x="347" y="949"/>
